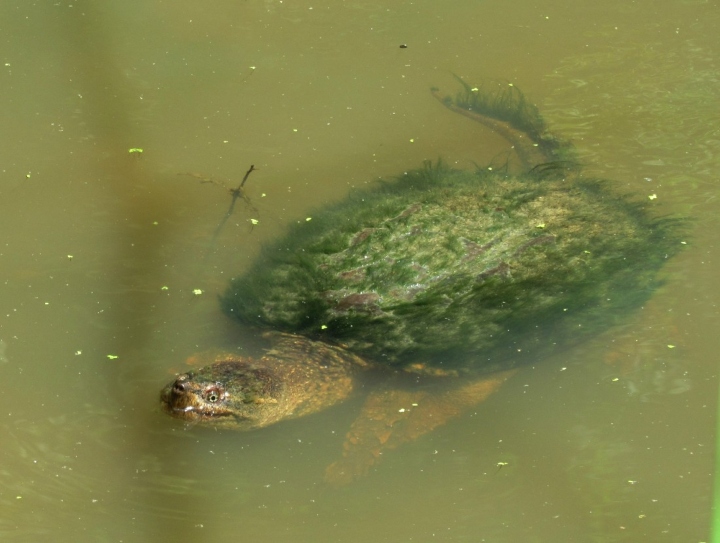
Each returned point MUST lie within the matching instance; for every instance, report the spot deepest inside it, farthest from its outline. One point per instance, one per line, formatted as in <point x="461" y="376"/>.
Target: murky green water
<point x="612" y="441"/>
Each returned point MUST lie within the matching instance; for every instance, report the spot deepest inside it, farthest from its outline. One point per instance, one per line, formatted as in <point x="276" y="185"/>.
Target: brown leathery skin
<point x="393" y="416"/>
<point x="296" y="377"/>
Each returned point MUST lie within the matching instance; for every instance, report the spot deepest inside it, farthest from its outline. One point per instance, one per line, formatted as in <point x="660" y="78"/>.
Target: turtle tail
<point x="507" y="112"/>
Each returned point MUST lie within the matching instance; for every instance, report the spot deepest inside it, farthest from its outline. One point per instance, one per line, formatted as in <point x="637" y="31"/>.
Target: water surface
<point x="101" y="251"/>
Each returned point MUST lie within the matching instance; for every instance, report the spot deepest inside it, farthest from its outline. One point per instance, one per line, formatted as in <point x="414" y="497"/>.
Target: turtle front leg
<point x="392" y="417"/>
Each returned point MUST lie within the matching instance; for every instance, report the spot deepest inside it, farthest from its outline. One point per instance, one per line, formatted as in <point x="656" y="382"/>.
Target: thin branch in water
<point x="236" y="193"/>
<point x="247" y="174"/>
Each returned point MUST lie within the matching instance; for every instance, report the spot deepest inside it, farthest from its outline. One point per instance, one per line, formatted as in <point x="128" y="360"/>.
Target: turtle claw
<point x="392" y="417"/>
<point x="342" y="473"/>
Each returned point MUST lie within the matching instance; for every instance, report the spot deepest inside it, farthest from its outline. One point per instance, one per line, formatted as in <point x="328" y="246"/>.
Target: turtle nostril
<point x="179" y="387"/>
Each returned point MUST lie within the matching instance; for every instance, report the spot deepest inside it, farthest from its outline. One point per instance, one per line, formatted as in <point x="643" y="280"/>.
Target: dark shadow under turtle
<point x="454" y="278"/>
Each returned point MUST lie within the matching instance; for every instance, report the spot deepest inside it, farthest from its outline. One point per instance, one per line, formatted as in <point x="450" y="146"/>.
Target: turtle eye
<point x="214" y="393"/>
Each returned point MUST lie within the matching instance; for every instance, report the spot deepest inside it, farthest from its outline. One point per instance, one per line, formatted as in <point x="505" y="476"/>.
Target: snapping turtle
<point x="445" y="280"/>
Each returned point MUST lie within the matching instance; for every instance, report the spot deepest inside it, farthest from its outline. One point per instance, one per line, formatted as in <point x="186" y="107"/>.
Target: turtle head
<point x="296" y="377"/>
<point x="233" y="393"/>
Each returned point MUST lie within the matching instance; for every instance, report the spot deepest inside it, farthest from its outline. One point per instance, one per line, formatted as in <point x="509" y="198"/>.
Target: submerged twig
<point x="236" y="193"/>
<point x="247" y="174"/>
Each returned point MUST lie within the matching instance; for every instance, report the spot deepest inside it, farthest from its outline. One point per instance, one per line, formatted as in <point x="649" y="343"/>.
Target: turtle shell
<point x="459" y="271"/>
